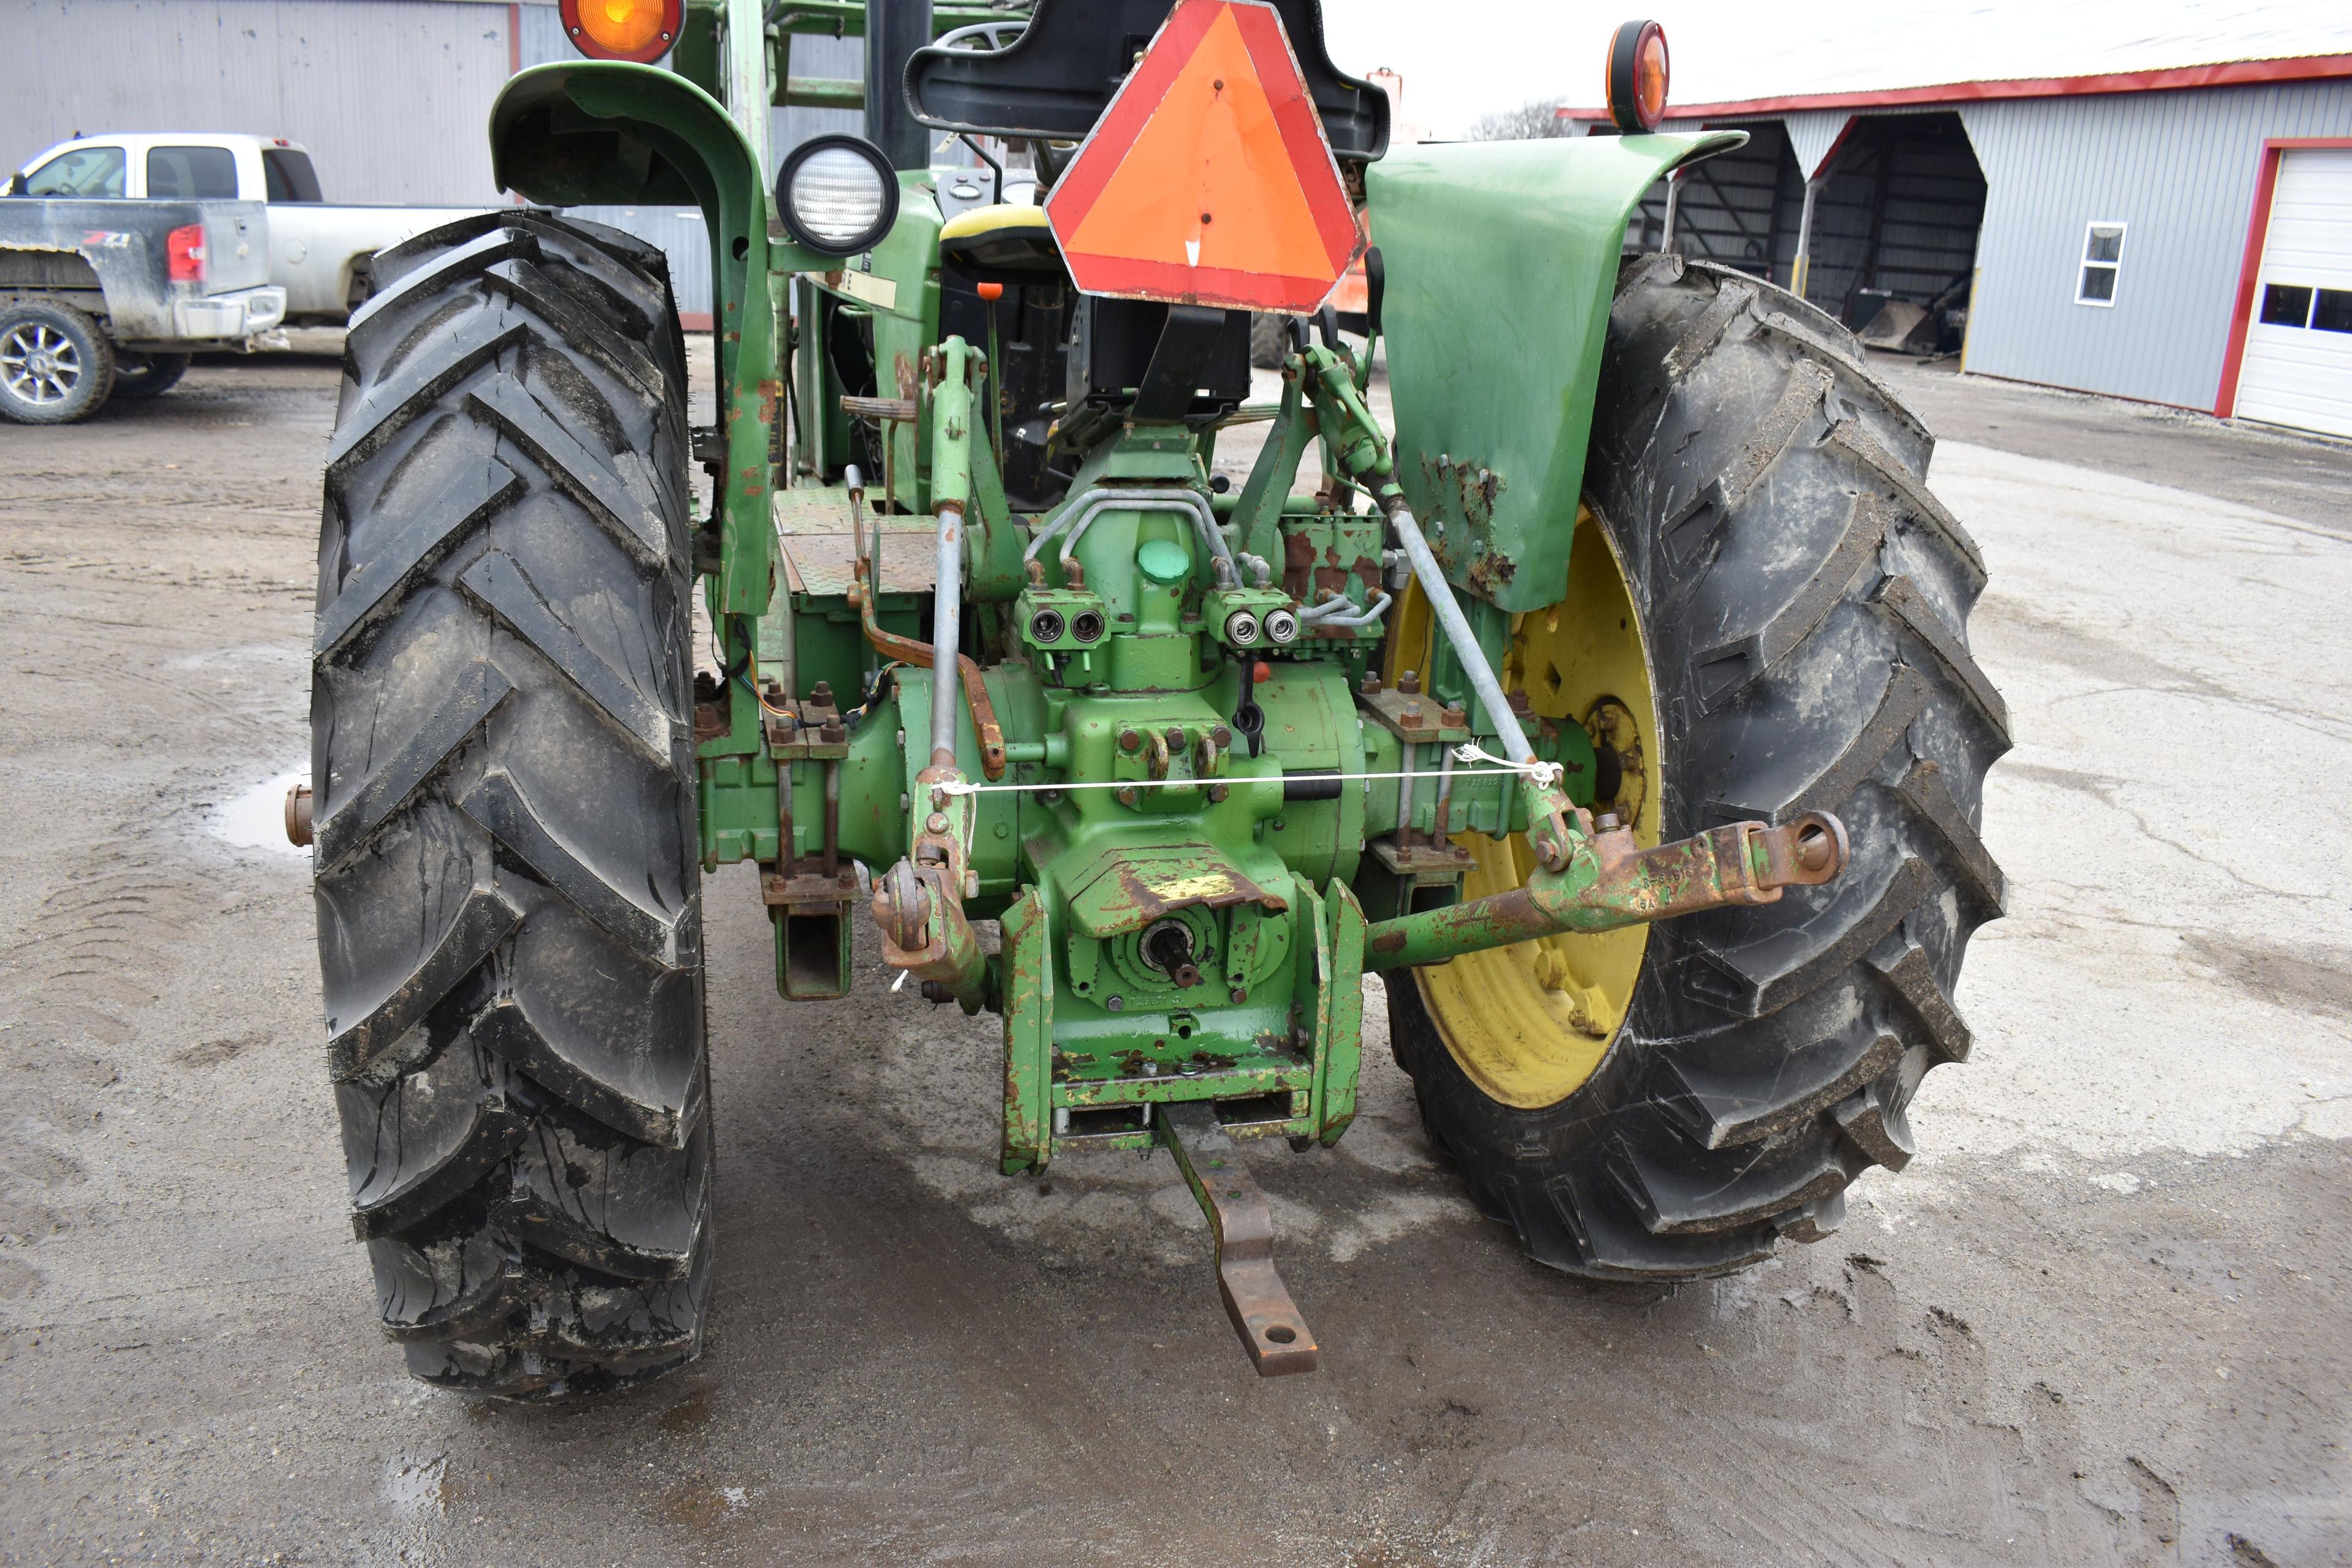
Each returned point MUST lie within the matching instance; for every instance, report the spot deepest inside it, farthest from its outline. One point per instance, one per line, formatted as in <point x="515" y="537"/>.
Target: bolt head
<point x="1114" y="1003"/>
<point x="935" y="822"/>
<point x="1129" y="740"/>
<point x="1410" y="683"/>
<point x="1371" y="686"/>
<point x="1608" y="822"/>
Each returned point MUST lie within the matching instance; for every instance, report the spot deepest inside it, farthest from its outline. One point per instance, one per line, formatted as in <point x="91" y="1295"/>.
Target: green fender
<point x="1501" y="262"/>
<point x="608" y="132"/>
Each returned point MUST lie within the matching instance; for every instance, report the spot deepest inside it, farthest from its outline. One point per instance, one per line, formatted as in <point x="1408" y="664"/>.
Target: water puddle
<point x="255" y="818"/>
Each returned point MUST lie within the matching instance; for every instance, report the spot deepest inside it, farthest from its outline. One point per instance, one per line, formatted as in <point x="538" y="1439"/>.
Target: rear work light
<point x="184" y="249"/>
<point x="638" y="30"/>
<point x="1637" y="77"/>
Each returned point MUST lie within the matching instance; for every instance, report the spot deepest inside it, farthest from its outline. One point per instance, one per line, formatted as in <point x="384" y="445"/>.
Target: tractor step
<point x="1272" y="1331"/>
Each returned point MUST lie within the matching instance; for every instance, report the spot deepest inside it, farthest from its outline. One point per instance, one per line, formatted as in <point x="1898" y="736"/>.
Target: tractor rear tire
<point x="1803" y="602"/>
<point x="507" y="872"/>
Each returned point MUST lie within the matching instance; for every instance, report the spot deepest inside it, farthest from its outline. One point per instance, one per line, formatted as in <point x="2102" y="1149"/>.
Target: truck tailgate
<point x="125" y="243"/>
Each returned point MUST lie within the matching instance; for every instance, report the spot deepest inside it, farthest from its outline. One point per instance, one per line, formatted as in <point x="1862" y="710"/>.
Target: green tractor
<point x="1618" y="709"/>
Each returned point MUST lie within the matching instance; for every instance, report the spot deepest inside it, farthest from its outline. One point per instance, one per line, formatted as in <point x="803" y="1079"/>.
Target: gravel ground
<point x="2100" y="1319"/>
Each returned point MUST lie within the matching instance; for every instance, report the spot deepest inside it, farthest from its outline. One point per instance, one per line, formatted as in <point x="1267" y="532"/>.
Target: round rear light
<point x="837" y="194"/>
<point x="1637" y="77"/>
<point x="638" y="30"/>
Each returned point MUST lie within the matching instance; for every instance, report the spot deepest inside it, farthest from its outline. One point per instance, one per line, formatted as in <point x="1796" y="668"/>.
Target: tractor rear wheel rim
<point x="1529" y="1023"/>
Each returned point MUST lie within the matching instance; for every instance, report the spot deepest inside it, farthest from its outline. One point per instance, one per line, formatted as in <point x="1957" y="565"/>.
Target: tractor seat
<point x="1051" y="80"/>
<point x="988" y="242"/>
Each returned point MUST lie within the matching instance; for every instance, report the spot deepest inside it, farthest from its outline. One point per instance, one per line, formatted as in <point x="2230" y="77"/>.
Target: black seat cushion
<point x="1058" y="77"/>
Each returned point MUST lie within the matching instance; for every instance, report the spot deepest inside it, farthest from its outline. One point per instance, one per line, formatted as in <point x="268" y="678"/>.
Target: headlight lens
<point x="839" y="194"/>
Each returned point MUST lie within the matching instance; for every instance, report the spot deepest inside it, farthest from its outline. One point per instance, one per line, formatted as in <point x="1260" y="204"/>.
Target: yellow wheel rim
<point x="1530" y="1021"/>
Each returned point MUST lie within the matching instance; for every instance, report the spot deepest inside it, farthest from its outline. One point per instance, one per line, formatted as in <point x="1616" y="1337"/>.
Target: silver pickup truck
<point x="318" y="252"/>
<point x="108" y="298"/>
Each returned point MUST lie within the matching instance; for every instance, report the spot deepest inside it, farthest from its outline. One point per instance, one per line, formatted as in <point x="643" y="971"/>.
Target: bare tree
<point x="1534" y="121"/>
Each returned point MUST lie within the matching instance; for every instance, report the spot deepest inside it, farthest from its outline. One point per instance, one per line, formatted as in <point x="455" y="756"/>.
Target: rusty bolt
<point x="1241" y="994"/>
<point x="833" y="735"/>
<point x="1218" y="792"/>
<point x="1129" y="740"/>
<point x="298" y="815"/>
<point x="821" y="694"/>
<point x="1175" y="739"/>
<point x="1371" y="686"/>
<point x="1222" y="737"/>
<point x="1519" y="701"/>
<point x="1454" y="718"/>
<point x="1410" y="683"/>
<point x="1410" y="718"/>
<point x="1608" y="823"/>
<point x="935" y="822"/>
<point x="1127" y="797"/>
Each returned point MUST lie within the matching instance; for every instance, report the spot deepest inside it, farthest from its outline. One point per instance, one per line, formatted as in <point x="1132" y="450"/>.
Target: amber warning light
<point x="639" y="30"/>
<point x="1637" y="77"/>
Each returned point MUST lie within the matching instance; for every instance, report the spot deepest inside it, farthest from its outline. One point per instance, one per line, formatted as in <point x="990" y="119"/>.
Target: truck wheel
<point x="506" y="877"/>
<point x="147" y="376"/>
<point x="56" y="365"/>
<point x="1766" y="614"/>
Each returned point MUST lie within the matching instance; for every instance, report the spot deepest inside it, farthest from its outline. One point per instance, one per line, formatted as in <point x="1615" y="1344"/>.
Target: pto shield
<point x="1209" y="180"/>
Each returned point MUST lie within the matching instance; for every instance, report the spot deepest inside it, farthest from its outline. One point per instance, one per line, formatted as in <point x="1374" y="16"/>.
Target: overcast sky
<point x="1463" y="58"/>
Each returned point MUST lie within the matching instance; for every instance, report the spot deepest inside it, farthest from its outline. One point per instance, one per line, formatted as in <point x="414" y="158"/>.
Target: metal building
<point x="2175" y="236"/>
<point x="392" y="97"/>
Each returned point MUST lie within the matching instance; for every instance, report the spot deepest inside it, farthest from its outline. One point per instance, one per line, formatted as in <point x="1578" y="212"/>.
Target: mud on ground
<point x="2100" y="1319"/>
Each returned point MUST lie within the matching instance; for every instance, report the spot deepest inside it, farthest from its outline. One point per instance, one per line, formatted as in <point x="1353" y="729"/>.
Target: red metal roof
<point x="2224" y="73"/>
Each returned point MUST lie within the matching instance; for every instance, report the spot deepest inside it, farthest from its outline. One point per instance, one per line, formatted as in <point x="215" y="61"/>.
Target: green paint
<point x="1494" y="348"/>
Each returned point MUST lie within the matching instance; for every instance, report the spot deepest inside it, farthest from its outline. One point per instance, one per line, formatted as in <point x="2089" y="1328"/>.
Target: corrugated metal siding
<point x="2178" y="168"/>
<point x="389" y="96"/>
<point x="680" y="231"/>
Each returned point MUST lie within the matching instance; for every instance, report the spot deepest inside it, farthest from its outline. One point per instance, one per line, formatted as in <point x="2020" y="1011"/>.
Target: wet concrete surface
<point x="2100" y="1319"/>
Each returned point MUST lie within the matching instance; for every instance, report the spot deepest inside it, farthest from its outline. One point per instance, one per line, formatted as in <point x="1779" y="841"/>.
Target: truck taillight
<point x="184" y="248"/>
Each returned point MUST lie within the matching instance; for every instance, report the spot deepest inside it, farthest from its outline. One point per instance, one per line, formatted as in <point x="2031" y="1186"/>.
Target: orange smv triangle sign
<point x="1208" y="180"/>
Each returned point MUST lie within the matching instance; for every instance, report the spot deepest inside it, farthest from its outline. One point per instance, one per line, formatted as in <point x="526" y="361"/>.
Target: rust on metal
<point x="1263" y="1313"/>
<point x="1127" y="890"/>
<point x="298" y="815"/>
<point x="907" y="650"/>
<point x="1610" y="881"/>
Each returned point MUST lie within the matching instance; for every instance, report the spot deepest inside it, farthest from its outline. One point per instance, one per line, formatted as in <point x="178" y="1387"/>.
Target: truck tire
<point x="1803" y="606"/>
<point x="56" y="365"/>
<point x="142" y="376"/>
<point x="507" y="872"/>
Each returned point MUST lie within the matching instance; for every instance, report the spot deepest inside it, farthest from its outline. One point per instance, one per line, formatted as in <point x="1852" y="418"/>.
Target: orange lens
<point x="1649" y="75"/>
<point x="622" y="29"/>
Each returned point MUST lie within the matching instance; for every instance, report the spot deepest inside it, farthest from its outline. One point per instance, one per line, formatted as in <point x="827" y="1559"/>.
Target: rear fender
<point x="609" y="132"/>
<point x="1501" y="263"/>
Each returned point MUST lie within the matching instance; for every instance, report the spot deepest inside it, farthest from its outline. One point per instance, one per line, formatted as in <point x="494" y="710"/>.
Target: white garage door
<point x="2298" y="365"/>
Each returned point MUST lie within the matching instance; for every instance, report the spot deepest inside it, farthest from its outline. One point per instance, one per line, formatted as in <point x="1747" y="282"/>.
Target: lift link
<point x="1352" y="432"/>
<point x="919" y="903"/>
<point x="1610" y="882"/>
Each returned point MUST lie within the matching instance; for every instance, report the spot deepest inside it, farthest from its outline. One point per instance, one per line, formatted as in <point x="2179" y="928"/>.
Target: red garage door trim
<point x="2258" y="227"/>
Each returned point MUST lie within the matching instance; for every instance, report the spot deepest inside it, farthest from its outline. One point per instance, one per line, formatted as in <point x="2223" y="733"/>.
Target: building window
<point x="2286" y="305"/>
<point x="2103" y="257"/>
<point x="2333" y="313"/>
